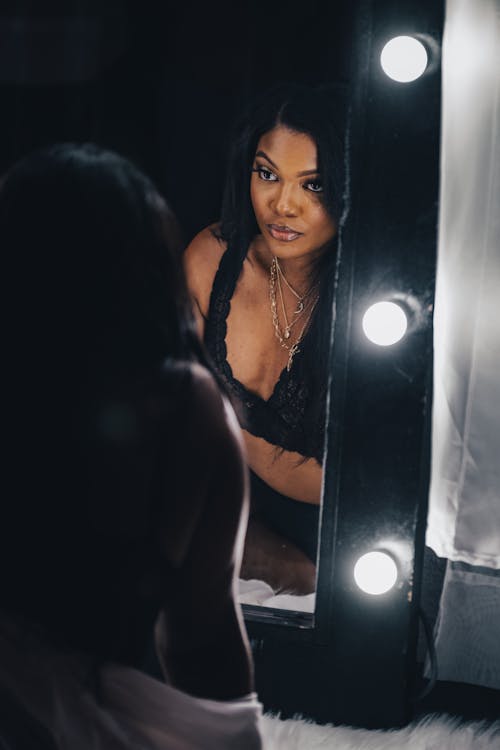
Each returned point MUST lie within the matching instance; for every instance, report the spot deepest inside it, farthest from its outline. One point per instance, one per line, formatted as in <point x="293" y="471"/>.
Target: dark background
<point x="160" y="82"/>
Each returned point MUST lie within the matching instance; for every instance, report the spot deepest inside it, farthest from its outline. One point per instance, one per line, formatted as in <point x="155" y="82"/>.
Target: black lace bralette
<point x="280" y="419"/>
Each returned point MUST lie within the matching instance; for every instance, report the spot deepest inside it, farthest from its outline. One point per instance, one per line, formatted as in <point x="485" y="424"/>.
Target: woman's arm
<point x="274" y="559"/>
<point x="284" y="471"/>
<point x="201" y="639"/>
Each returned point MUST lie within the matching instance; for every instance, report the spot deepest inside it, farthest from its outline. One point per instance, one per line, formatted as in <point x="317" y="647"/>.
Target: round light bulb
<point x="404" y="59"/>
<point x="385" y="323"/>
<point x="375" y="573"/>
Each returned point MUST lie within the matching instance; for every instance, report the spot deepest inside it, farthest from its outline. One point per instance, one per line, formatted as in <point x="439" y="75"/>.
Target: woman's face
<point x="286" y="193"/>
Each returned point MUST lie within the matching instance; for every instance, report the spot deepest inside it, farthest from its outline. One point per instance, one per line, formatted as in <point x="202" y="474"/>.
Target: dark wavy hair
<point x="320" y="112"/>
<point x="92" y="253"/>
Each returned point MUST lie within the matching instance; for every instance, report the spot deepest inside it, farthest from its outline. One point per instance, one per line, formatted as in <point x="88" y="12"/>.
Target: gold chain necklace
<point x="297" y="313"/>
<point x="283" y="336"/>
<point x="298" y="296"/>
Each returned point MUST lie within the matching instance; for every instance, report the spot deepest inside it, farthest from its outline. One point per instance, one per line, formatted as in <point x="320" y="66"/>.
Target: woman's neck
<point x="299" y="272"/>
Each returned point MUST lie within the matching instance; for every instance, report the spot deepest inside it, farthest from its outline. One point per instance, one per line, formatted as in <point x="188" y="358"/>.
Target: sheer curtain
<point x="464" y="507"/>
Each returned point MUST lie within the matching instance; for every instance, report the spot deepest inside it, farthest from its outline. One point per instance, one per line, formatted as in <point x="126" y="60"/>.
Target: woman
<point x="126" y="500"/>
<point x="262" y="285"/>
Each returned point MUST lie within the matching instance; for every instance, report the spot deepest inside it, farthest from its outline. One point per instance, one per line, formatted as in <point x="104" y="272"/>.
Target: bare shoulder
<point x="205" y="245"/>
<point x="201" y="261"/>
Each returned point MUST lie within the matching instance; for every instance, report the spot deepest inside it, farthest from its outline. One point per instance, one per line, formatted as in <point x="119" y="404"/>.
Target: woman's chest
<point x="254" y="353"/>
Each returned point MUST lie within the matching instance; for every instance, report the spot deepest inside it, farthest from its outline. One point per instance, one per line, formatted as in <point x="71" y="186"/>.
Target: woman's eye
<point x="266" y="174"/>
<point x="314" y="186"/>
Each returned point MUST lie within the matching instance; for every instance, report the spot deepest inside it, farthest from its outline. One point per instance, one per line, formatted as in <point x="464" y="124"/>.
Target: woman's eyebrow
<point x="307" y="172"/>
<point x="304" y="173"/>
<point x="263" y="154"/>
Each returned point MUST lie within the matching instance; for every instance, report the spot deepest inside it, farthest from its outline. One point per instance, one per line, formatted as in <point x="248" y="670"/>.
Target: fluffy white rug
<point x="431" y="733"/>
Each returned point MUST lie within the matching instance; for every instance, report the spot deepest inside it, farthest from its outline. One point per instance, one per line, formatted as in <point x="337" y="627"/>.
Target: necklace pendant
<point x="287" y="333"/>
<point x="299" y="309"/>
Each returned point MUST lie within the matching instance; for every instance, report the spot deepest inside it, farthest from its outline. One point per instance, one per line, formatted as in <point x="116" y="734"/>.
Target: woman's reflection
<point x="262" y="281"/>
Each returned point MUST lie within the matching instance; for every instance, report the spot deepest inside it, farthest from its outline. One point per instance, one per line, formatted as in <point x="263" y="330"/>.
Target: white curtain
<point x="464" y="505"/>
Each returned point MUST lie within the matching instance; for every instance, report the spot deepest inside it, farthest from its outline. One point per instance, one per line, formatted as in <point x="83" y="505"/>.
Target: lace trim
<point x="278" y="419"/>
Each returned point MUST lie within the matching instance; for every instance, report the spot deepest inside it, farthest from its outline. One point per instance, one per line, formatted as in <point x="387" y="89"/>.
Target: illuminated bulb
<point x="384" y="323"/>
<point x="375" y="573"/>
<point x="404" y="59"/>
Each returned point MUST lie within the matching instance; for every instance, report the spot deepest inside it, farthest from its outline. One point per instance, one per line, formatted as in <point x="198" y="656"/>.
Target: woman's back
<point x="121" y="512"/>
<point x="155" y="526"/>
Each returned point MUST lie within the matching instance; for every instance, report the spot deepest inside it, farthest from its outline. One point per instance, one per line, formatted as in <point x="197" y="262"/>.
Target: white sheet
<point x="260" y="593"/>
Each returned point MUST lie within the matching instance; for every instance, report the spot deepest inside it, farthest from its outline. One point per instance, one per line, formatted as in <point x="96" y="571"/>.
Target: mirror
<point x="357" y="664"/>
<point x="262" y="282"/>
<point x="282" y="542"/>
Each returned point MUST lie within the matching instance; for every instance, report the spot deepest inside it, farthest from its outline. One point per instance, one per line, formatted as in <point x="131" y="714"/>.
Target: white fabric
<point x="261" y="594"/>
<point x="467" y="637"/>
<point x="464" y="503"/>
<point x="134" y="712"/>
<point x="464" y="507"/>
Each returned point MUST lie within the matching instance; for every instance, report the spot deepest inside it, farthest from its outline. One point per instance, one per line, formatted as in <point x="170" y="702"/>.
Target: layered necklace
<point x="305" y="303"/>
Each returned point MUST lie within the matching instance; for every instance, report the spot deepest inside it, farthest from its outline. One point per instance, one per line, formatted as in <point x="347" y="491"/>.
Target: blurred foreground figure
<point x="124" y="498"/>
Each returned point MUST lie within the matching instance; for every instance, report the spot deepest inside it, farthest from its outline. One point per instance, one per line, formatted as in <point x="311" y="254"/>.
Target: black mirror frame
<point x="357" y="664"/>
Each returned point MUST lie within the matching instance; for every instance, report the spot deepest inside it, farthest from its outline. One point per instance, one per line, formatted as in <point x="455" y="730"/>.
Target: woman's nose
<point x="285" y="201"/>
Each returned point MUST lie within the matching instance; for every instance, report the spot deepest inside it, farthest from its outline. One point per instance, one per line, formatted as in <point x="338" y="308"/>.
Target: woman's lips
<point x="283" y="233"/>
